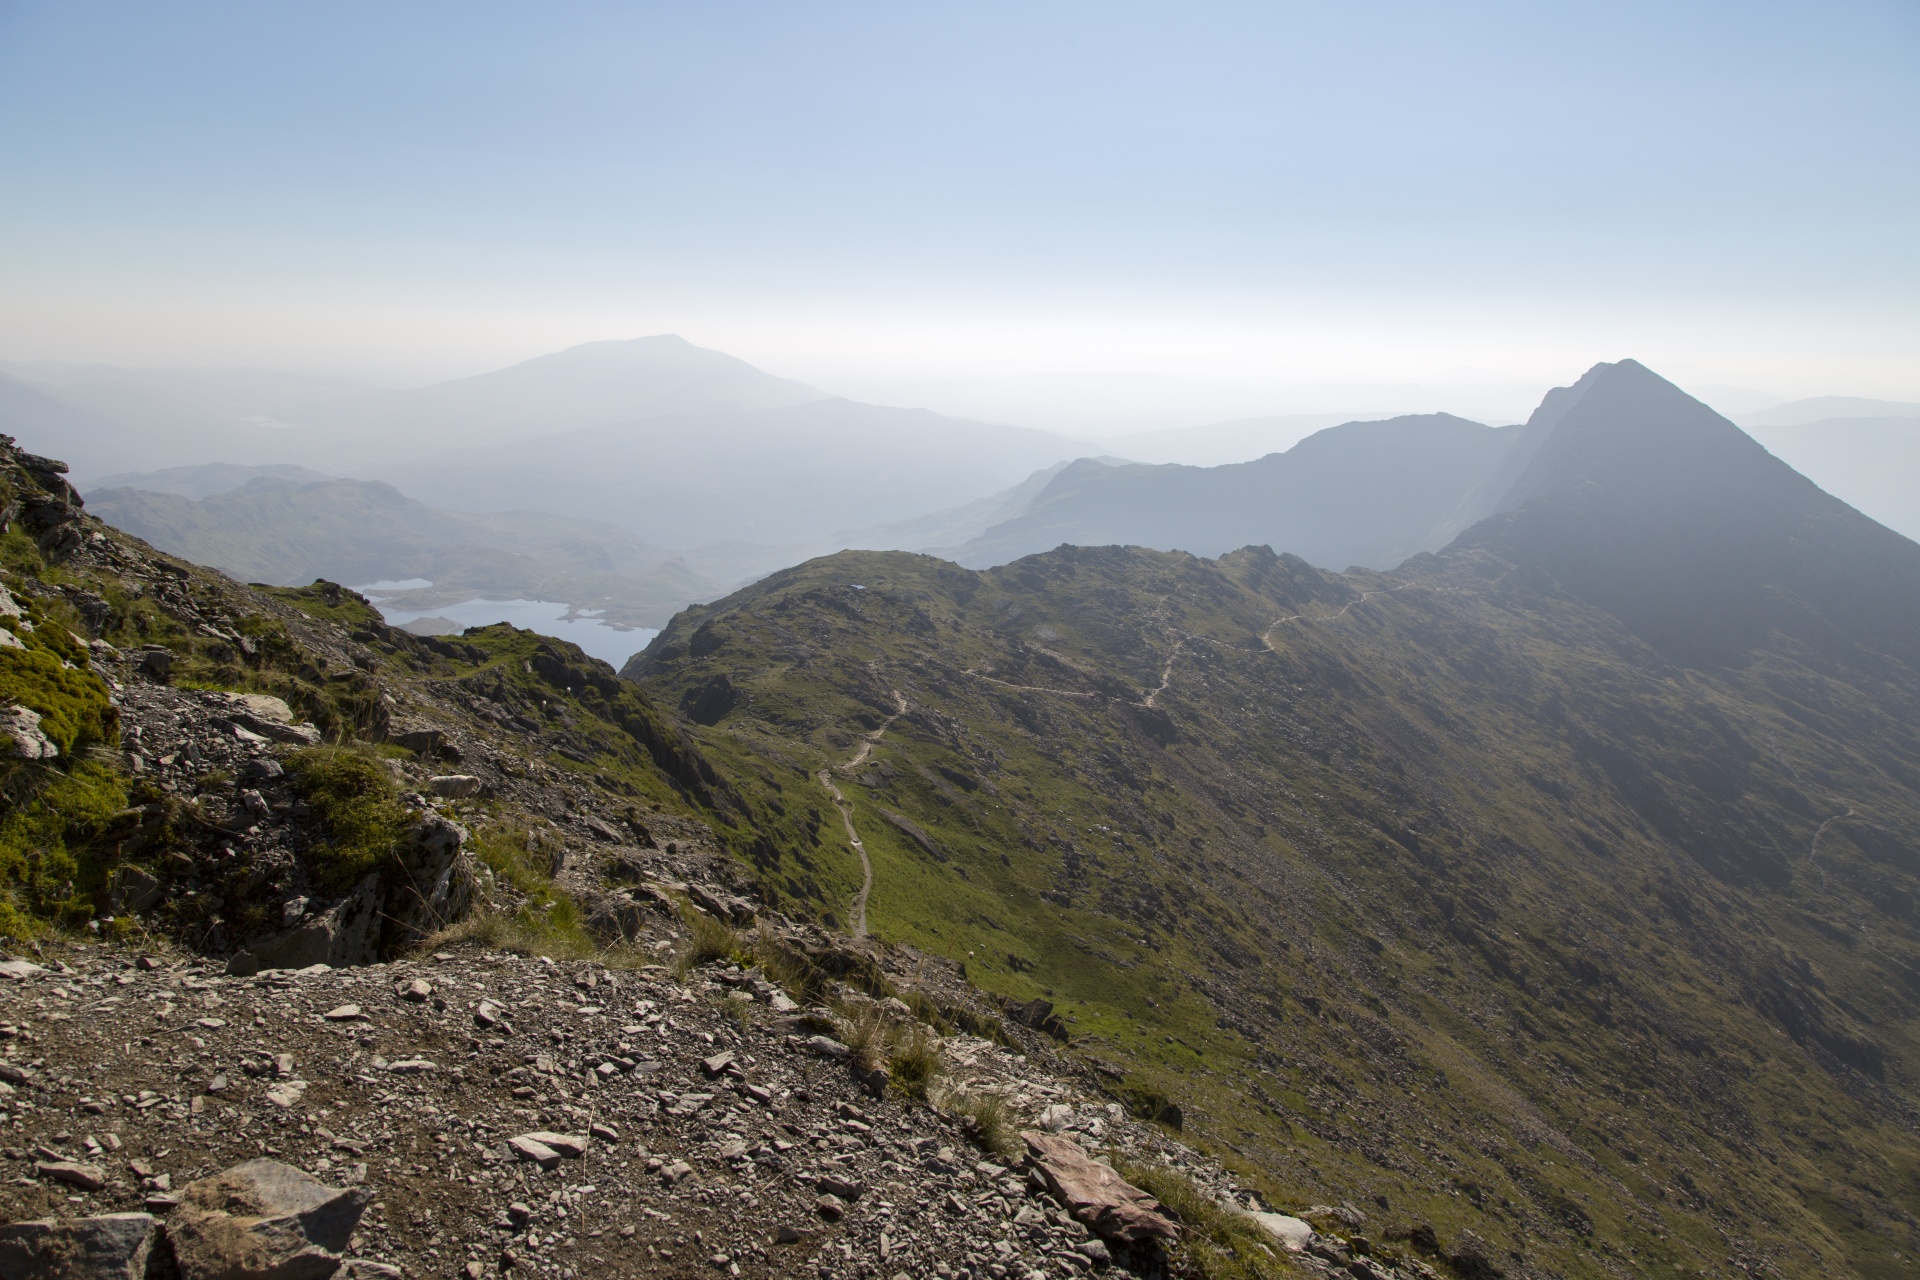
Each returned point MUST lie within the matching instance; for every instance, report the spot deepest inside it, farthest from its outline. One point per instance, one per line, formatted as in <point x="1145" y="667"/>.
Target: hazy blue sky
<point x="1336" y="191"/>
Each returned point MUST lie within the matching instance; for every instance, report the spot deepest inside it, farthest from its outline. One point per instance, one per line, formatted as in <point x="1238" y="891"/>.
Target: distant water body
<point x="610" y="644"/>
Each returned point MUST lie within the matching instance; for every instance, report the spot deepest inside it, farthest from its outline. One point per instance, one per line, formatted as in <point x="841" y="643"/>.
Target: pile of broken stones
<point x="475" y="1113"/>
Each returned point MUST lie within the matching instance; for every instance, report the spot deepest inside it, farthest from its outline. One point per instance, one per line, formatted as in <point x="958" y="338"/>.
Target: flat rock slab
<point x="113" y="1246"/>
<point x="571" y="1146"/>
<point x="1094" y="1194"/>
<point x="263" y="1220"/>
<point x="1290" y="1231"/>
<point x="87" y="1177"/>
<point x="528" y="1148"/>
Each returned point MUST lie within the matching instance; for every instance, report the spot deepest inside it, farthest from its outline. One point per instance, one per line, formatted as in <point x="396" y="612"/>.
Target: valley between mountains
<point x="1542" y="906"/>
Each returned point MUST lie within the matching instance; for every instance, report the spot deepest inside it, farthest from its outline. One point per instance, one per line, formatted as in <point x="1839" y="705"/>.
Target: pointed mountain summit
<point x="1634" y="496"/>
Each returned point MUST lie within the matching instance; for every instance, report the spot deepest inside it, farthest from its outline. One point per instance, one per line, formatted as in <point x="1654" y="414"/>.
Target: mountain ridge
<point x="1449" y="885"/>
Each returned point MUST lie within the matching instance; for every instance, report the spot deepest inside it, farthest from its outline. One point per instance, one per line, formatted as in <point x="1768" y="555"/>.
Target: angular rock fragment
<point x="531" y="1149"/>
<point x="113" y="1246"/>
<point x="569" y="1145"/>
<point x="1094" y="1194"/>
<point x="827" y="1047"/>
<point x="87" y="1177"/>
<point x="1288" y="1230"/>
<point x="263" y="1220"/>
<point x="839" y="1187"/>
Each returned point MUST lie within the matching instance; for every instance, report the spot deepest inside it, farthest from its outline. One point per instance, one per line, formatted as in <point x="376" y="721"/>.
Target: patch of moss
<point x="353" y="795"/>
<point x="51" y="865"/>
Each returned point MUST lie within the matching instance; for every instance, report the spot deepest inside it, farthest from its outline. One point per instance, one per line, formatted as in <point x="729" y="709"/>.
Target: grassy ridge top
<point x="1436" y="891"/>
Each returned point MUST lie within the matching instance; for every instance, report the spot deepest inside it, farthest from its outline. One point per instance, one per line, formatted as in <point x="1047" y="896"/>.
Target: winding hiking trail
<point x="858" y="925"/>
<point x="1266" y="637"/>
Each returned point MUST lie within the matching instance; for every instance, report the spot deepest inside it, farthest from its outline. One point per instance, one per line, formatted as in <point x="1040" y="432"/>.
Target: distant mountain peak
<point x="1631" y="494"/>
<point x="1627" y="429"/>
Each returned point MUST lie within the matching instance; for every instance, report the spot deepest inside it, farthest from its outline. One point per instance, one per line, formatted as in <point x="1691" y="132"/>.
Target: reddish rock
<point x="1094" y="1194"/>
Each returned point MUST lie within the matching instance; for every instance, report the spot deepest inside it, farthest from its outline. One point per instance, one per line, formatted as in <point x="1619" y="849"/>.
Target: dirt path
<point x="858" y="925"/>
<point x="1266" y="637"/>
<point x="1166" y="672"/>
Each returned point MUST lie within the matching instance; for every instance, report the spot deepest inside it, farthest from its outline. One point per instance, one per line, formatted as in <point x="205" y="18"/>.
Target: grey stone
<point x="134" y="891"/>
<point x="827" y="1047"/>
<point x="532" y="1149"/>
<point x="87" y="1177"/>
<point x="263" y="1220"/>
<point x="113" y="1246"/>
<point x="570" y="1146"/>
<point x="20" y="734"/>
<point x="1290" y="1231"/>
<point x="348" y="933"/>
<point x="433" y="886"/>
<point x="156" y="663"/>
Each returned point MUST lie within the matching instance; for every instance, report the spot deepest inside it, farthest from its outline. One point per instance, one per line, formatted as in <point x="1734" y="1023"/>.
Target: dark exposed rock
<point x="113" y="1246"/>
<point x="263" y="1220"/>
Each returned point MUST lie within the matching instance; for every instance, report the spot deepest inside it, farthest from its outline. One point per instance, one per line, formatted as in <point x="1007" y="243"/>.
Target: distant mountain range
<point x="1373" y="493"/>
<point x="652" y="449"/>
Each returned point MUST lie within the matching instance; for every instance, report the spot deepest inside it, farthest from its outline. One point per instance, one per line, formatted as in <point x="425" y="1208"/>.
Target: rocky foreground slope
<point x="504" y="1113"/>
<point x="454" y="951"/>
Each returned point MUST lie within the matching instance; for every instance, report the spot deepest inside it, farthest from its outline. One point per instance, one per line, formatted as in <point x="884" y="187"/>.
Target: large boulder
<point x="1094" y="1194"/>
<point x="348" y="933"/>
<point x="263" y="1220"/>
<point x="113" y="1246"/>
<point x="433" y="885"/>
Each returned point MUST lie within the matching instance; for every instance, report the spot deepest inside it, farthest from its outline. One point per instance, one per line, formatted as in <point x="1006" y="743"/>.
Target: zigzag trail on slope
<point x="1152" y="697"/>
<point x="858" y="925"/>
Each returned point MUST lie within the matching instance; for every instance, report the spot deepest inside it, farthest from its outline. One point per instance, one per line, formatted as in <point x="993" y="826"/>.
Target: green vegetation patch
<point x="50" y="867"/>
<point x="353" y="795"/>
<point x="72" y="702"/>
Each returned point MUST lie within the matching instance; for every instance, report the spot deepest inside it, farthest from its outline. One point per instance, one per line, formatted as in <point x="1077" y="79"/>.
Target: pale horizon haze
<point x="984" y="206"/>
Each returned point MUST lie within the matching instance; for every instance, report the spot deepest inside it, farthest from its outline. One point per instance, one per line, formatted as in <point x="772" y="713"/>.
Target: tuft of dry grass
<point x="708" y="940"/>
<point x="989" y="1119"/>
<point x="870" y="1036"/>
<point x="915" y="1063"/>
<point x="1216" y="1242"/>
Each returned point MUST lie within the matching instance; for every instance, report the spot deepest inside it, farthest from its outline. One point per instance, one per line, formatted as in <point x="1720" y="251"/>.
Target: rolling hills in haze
<point x="290" y="532"/>
<point x="1370" y="493"/>
<point x="1562" y="885"/>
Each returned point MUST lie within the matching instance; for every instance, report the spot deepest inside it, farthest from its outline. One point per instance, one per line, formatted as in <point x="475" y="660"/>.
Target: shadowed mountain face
<point x="1640" y="499"/>
<point x="1367" y="493"/>
<point x="1563" y="885"/>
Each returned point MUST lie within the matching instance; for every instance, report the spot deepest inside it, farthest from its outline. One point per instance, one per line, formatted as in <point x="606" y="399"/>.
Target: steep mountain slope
<point x="291" y="532"/>
<point x="1560" y="886"/>
<point x="1369" y="493"/>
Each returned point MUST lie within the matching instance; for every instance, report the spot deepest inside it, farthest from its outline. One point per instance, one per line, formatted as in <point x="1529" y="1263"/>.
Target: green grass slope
<point x="1437" y="892"/>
